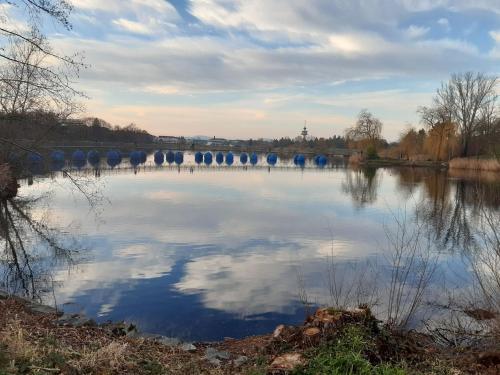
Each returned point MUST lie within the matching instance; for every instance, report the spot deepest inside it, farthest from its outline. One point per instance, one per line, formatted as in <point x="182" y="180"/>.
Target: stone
<point x="188" y="347"/>
<point x="41" y="309"/>
<point x="215" y="356"/>
<point x="240" y="361"/>
<point x="169" y="341"/>
<point x="75" y="320"/>
<point x="288" y="362"/>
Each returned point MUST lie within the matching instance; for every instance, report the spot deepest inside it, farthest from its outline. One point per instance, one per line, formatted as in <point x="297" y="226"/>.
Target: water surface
<point x="226" y="252"/>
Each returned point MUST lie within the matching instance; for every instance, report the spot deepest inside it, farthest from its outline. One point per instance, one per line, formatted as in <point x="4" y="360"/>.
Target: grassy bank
<point x="330" y="342"/>
<point x="483" y="165"/>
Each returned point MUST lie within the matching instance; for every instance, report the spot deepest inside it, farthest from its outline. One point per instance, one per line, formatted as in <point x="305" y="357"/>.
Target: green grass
<point x="345" y="356"/>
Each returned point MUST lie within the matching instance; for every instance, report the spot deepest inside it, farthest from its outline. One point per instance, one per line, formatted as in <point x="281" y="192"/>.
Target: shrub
<point x="371" y="153"/>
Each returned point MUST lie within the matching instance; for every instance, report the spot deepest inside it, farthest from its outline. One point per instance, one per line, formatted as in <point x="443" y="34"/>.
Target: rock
<point x="123" y="329"/>
<point x="41" y="309"/>
<point x="169" y="341"/>
<point x="240" y="361"/>
<point x="287" y="362"/>
<point x="83" y="321"/>
<point x="75" y="320"/>
<point x="214" y="356"/>
<point x="188" y="347"/>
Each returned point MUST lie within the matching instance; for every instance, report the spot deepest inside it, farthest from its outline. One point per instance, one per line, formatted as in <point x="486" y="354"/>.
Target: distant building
<point x="217" y="142"/>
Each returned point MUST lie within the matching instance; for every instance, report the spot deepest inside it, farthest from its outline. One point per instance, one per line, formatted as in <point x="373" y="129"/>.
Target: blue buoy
<point x="159" y="157"/>
<point x="34" y="158"/>
<point x="229" y="158"/>
<point x="272" y="159"/>
<point x="322" y="161"/>
<point x="244" y="158"/>
<point x="179" y="158"/>
<point x="170" y="157"/>
<point x="114" y="158"/>
<point x="254" y="159"/>
<point x="301" y="160"/>
<point x="198" y="158"/>
<point x="207" y="158"/>
<point x="79" y="159"/>
<point x="57" y="155"/>
<point x="219" y="158"/>
<point x="135" y="158"/>
<point x="143" y="156"/>
<point x="316" y="160"/>
<point x="94" y="158"/>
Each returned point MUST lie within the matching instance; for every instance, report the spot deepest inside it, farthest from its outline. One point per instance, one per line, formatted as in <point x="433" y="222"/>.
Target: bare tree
<point x="31" y="82"/>
<point x="34" y="11"/>
<point x="466" y="97"/>
<point x="367" y="130"/>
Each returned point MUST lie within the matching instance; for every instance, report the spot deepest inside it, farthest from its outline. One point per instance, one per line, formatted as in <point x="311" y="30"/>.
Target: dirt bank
<point x="35" y="340"/>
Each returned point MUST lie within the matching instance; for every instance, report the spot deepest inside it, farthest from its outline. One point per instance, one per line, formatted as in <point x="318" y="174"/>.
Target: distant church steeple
<point x="304" y="132"/>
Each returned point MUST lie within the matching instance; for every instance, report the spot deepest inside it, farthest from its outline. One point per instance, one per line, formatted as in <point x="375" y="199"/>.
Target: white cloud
<point x="415" y="32"/>
<point x="132" y="26"/>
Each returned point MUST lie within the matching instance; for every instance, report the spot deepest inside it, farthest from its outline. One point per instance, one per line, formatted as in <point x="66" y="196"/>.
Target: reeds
<point x="489" y="165"/>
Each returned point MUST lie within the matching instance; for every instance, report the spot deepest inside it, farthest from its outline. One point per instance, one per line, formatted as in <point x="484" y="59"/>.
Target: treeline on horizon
<point x="44" y="126"/>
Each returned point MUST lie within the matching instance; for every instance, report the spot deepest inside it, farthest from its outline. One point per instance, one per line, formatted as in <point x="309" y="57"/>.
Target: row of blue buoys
<point x="114" y="158"/>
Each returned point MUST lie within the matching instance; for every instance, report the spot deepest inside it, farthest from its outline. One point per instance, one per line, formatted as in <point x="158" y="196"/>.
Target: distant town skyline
<point x="255" y="68"/>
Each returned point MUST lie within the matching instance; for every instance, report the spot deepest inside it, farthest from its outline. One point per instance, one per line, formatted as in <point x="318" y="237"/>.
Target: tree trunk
<point x="465" y="147"/>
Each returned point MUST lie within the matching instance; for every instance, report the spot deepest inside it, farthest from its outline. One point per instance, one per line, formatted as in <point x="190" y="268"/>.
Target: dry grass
<point x="35" y="344"/>
<point x="489" y="165"/>
<point x="111" y="356"/>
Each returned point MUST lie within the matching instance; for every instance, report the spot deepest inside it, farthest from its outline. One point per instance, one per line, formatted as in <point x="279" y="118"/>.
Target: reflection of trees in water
<point x="361" y="185"/>
<point x="30" y="249"/>
<point x="451" y="207"/>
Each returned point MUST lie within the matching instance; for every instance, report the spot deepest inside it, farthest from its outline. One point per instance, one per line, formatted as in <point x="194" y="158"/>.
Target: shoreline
<point x="79" y="345"/>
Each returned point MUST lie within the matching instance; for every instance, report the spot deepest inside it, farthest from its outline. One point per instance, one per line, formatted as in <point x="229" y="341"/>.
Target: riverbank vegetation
<point x="331" y="341"/>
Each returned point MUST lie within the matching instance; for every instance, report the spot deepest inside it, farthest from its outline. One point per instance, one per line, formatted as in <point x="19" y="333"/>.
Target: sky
<point x="260" y="68"/>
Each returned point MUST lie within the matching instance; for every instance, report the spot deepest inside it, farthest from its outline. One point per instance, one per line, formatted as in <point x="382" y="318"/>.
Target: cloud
<point x="444" y="23"/>
<point x="132" y="26"/>
<point x="415" y="32"/>
<point x="240" y="56"/>
<point x="142" y="17"/>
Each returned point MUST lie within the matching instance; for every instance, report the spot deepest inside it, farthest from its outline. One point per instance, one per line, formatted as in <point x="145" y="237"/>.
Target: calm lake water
<point x="226" y="252"/>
